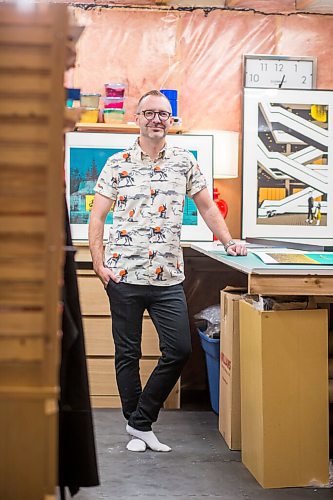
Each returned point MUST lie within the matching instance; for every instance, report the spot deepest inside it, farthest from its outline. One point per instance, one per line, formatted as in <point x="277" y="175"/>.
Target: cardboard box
<point x="284" y="396"/>
<point x="229" y="414"/>
<point x="330" y="343"/>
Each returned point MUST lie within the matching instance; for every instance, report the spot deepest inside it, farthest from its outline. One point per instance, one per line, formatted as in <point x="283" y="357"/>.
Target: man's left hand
<point x="237" y="249"/>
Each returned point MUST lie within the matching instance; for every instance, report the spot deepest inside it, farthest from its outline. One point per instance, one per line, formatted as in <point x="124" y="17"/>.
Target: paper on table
<point x="288" y="256"/>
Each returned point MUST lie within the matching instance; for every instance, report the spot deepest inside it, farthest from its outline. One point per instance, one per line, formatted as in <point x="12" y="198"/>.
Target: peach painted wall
<point x="198" y="54"/>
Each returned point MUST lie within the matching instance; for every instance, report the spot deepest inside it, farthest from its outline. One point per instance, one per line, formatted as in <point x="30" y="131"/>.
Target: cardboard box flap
<point x="230" y="293"/>
<point x="279" y="303"/>
<point x="234" y="289"/>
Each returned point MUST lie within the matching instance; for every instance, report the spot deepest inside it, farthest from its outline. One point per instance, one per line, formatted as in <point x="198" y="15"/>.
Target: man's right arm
<point x="100" y="209"/>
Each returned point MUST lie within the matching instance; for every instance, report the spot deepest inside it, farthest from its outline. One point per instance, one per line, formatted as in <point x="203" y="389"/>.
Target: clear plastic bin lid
<point x="113" y="99"/>
<point x="115" y="85"/>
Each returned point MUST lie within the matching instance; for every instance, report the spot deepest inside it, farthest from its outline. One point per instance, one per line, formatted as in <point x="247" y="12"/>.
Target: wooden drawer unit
<point x="97" y="325"/>
<point x="98" y="337"/>
<point x="99" y="341"/>
<point x="93" y="298"/>
<point x="103" y="385"/>
<point x="102" y="375"/>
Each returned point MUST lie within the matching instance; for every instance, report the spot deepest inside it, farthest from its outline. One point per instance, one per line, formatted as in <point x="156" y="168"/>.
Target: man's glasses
<point x="149" y="114"/>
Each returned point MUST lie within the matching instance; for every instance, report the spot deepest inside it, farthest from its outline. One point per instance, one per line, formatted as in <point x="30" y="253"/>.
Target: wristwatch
<point x="230" y="243"/>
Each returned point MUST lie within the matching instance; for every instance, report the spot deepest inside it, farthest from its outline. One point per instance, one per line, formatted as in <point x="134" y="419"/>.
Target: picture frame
<point x="85" y="156"/>
<point x="287" y="188"/>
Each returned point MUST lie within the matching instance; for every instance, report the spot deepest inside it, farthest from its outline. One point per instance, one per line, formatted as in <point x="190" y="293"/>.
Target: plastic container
<point x="114" y="89"/>
<point x="112" y="115"/>
<point x="72" y="97"/>
<point x="89" y="115"/>
<point x="114" y="102"/>
<point x="172" y="95"/>
<point x="212" y="353"/>
<point x="89" y="100"/>
<point x="73" y="94"/>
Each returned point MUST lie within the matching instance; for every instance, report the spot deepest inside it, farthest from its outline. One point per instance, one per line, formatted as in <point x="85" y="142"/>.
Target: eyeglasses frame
<point x="155" y="113"/>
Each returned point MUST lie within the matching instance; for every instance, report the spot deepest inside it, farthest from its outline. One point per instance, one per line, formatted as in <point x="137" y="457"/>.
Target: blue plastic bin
<point x="212" y="352"/>
<point x="172" y="95"/>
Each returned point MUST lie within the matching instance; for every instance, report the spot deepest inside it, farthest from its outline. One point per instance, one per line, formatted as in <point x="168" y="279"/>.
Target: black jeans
<point x="168" y="310"/>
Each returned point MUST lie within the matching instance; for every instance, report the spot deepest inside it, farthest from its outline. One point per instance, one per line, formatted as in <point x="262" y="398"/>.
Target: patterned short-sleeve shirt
<point x="144" y="240"/>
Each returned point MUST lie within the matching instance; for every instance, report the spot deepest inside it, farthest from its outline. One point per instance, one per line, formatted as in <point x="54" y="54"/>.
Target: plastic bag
<point x="279" y="303"/>
<point x="209" y="320"/>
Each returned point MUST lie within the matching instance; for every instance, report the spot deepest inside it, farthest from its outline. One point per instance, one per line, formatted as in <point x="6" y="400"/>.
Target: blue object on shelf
<point x="73" y="94"/>
<point x="212" y="352"/>
<point x="172" y="95"/>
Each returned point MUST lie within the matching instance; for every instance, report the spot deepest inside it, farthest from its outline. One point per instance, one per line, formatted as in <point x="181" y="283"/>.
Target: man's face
<point x="157" y="125"/>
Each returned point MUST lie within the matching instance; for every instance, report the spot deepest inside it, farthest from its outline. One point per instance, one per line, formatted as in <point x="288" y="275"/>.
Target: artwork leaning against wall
<point x="86" y="155"/>
<point x="287" y="163"/>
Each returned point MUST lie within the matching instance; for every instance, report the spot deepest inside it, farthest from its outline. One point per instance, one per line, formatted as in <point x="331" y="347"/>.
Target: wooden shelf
<point x="129" y="128"/>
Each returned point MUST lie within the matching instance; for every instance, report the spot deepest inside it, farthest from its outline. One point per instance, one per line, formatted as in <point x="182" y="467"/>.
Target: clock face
<point x="279" y="72"/>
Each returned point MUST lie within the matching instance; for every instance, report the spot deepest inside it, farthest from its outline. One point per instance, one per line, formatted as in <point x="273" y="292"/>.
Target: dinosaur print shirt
<point x="144" y="240"/>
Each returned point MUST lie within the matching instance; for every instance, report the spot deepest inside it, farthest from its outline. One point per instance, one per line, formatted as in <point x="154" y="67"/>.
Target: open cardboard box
<point x="284" y="396"/>
<point x="230" y="411"/>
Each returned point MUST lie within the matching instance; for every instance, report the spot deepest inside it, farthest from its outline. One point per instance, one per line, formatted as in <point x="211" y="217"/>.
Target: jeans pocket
<point x="108" y="284"/>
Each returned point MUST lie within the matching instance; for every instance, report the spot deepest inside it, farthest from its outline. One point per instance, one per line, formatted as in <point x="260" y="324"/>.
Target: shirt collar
<point x="139" y="154"/>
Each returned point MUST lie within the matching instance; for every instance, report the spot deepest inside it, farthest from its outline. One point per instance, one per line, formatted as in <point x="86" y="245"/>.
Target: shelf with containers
<point x="130" y="128"/>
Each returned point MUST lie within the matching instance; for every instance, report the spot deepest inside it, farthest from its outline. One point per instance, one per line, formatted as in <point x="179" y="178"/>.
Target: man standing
<point x="310" y="208"/>
<point x="148" y="272"/>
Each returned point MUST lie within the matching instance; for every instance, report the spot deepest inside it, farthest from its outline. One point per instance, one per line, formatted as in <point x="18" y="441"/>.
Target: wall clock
<point x="284" y="72"/>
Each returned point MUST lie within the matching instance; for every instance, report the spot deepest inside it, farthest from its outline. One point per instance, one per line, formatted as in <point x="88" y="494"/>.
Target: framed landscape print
<point x="287" y="164"/>
<point x="86" y="154"/>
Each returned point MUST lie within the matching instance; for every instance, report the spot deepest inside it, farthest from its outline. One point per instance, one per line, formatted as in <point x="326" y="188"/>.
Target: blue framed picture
<point x="86" y="155"/>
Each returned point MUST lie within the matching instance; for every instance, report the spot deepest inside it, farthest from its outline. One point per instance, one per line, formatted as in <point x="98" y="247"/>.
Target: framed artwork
<point x="86" y="154"/>
<point x="287" y="163"/>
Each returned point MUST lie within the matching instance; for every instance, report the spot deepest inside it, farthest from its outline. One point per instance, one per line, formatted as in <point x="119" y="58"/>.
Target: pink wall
<point x="199" y="55"/>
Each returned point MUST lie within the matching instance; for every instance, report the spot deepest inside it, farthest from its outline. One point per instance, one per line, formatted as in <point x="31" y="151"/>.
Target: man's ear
<point x="136" y="118"/>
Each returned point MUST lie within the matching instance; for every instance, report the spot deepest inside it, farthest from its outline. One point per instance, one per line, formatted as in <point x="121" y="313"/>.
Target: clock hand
<point x="280" y="84"/>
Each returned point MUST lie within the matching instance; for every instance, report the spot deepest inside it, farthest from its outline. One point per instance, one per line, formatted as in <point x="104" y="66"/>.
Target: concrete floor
<point x="199" y="467"/>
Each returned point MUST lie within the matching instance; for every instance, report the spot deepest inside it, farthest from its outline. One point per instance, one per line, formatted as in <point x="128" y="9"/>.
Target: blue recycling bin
<point x="212" y="353"/>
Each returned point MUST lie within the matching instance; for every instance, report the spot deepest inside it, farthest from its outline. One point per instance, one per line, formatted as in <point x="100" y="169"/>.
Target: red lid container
<point x="114" y="89"/>
<point x="114" y="102"/>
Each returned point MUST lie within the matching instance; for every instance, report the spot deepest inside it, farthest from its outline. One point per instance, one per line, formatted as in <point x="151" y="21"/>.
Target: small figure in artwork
<point x="317" y="214"/>
<point x="310" y="208"/>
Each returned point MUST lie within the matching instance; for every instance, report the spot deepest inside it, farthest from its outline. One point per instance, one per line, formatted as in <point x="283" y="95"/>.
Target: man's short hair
<point x="151" y="92"/>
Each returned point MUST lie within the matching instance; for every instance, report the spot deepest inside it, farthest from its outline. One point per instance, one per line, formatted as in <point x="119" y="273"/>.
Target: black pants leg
<point x="168" y="310"/>
<point x="127" y="306"/>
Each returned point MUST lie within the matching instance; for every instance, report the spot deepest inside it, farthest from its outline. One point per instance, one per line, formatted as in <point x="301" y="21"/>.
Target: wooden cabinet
<point x="32" y="64"/>
<point x="97" y="324"/>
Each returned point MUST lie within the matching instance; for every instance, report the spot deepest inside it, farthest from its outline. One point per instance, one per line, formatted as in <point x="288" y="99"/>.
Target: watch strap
<point x="230" y="243"/>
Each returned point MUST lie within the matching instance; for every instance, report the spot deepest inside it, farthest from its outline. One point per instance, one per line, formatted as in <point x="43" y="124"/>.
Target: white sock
<point x="136" y="445"/>
<point x="149" y="438"/>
